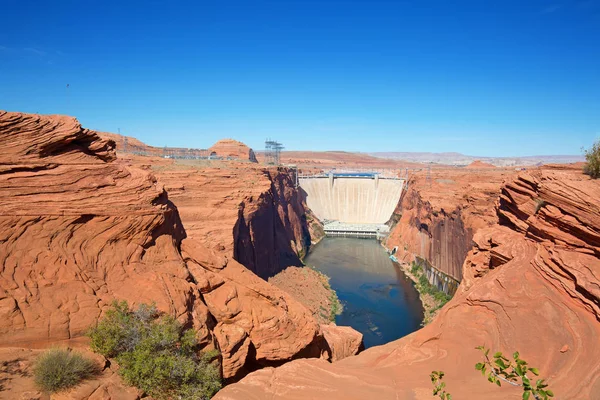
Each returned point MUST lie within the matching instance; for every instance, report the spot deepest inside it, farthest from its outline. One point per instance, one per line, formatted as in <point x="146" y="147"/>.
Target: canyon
<point x="82" y="227"/>
<point x="219" y="244"/>
<point x="529" y="284"/>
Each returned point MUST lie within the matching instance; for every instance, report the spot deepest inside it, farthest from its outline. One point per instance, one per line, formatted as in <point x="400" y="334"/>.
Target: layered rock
<point x="230" y="148"/>
<point x="531" y="284"/>
<point x="252" y="214"/>
<point x="438" y="216"/>
<point x="80" y="229"/>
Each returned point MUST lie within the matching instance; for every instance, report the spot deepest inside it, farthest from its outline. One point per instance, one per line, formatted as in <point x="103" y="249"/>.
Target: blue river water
<point x="379" y="300"/>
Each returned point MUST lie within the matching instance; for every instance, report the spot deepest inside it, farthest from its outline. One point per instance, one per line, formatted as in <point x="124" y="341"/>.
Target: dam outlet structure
<point x="356" y="204"/>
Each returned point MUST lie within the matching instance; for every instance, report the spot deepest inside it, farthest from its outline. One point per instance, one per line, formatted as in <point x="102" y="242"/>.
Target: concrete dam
<point x="352" y="201"/>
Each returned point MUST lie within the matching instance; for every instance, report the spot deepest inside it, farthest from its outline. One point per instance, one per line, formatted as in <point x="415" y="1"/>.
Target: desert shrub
<point x="59" y="369"/>
<point x="155" y="353"/>
<point x="592" y="156"/>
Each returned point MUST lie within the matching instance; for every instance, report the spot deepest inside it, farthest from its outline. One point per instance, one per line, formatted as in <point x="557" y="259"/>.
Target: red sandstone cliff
<point x="79" y="229"/>
<point x="247" y="212"/>
<point x="531" y="283"/>
<point x="437" y="217"/>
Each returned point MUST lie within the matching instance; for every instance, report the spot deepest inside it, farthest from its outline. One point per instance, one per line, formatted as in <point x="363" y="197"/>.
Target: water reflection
<point x="379" y="301"/>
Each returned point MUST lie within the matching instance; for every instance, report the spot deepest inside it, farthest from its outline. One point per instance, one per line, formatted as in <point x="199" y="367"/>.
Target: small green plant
<point x="60" y="369"/>
<point x="503" y="369"/>
<point x="155" y="353"/>
<point x="439" y="386"/>
<point x="592" y="156"/>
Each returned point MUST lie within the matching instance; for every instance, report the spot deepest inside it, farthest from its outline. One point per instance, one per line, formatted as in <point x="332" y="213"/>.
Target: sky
<point x="481" y="77"/>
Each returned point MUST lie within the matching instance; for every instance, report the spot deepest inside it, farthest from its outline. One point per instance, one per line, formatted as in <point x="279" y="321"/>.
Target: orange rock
<point x="79" y="229"/>
<point x="233" y="149"/>
<point x="480" y="164"/>
<point x="531" y="284"/>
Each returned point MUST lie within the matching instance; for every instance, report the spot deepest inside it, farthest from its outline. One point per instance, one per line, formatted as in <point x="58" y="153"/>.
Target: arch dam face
<point x="347" y="202"/>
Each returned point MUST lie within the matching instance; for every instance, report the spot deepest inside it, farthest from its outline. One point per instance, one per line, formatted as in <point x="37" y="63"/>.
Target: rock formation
<point x="437" y="217"/>
<point x="234" y="149"/>
<point x="479" y="164"/>
<point x="80" y="229"/>
<point x="249" y="213"/>
<point x="531" y="283"/>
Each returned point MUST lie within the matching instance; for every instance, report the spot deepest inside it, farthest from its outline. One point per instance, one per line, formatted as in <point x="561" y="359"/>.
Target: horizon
<point x="500" y="79"/>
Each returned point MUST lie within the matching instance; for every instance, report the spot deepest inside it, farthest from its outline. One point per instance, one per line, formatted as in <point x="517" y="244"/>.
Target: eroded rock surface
<point x="79" y="229"/>
<point x="438" y="216"/>
<point x="531" y="283"/>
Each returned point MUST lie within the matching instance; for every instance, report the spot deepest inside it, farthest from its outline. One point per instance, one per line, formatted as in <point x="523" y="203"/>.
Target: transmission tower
<point x="272" y="152"/>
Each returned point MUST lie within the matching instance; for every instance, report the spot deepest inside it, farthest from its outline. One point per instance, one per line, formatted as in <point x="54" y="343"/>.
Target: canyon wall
<point x="531" y="283"/>
<point x="437" y="217"/>
<point x="81" y="228"/>
<point x="250" y="213"/>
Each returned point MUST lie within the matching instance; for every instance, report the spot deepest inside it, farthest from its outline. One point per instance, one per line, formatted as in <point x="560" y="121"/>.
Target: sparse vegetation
<point x="592" y="156"/>
<point x="439" y="386"/>
<point x="423" y="286"/>
<point x="155" y="353"/>
<point x="60" y="369"/>
<point x="501" y="369"/>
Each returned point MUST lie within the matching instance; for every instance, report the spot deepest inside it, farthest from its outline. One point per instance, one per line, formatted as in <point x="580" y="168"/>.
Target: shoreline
<point x="431" y="306"/>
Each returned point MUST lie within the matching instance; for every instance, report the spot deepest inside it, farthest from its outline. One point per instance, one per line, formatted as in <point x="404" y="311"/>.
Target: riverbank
<point x="432" y="299"/>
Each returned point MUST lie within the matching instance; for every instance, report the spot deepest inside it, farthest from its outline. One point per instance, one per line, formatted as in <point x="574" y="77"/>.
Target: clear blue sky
<point x="481" y="77"/>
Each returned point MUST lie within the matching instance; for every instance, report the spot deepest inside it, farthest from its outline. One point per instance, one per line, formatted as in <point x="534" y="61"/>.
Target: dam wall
<point x="357" y="200"/>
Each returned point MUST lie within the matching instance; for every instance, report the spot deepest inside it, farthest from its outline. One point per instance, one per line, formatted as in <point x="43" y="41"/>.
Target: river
<point x="379" y="300"/>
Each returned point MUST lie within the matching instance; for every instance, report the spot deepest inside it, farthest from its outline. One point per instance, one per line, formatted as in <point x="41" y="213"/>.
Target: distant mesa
<point x="230" y="148"/>
<point x="480" y="164"/>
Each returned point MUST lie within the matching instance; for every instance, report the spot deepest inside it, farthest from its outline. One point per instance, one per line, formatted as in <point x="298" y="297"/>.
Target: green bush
<point x="155" y="353"/>
<point x="592" y="156"/>
<point x="415" y="269"/>
<point x="59" y="369"/>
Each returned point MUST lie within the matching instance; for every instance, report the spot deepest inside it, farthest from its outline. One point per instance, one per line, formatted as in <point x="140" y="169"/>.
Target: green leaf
<point x="539" y="383"/>
<point x="535" y="371"/>
<point x="448" y="396"/>
<point x="526" y="395"/>
<point x="500" y="363"/>
<point x="487" y="351"/>
<point x="550" y="393"/>
<point x="516" y="355"/>
<point x="479" y="366"/>
<point x="498" y="355"/>
<point x="498" y="382"/>
<point x="518" y="370"/>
